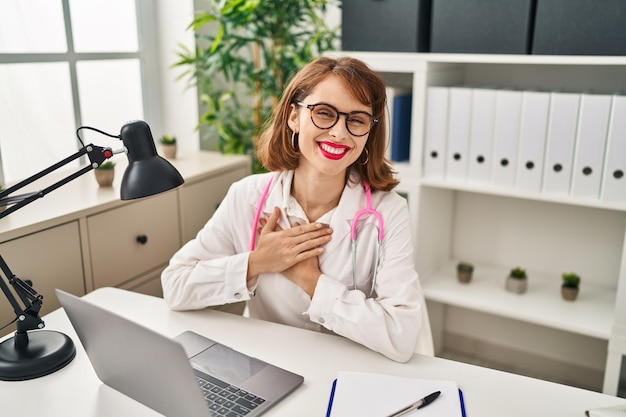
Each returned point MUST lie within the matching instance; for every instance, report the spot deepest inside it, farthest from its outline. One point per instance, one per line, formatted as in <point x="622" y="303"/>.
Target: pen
<point x="417" y="404"/>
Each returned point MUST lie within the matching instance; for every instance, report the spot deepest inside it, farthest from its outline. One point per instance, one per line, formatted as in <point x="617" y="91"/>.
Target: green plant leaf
<point x="241" y="69"/>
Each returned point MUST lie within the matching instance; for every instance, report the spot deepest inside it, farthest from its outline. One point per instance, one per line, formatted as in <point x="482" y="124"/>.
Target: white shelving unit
<point x="500" y="228"/>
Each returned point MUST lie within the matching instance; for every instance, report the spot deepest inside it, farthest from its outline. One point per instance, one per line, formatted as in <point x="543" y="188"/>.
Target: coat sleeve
<point x="389" y="323"/>
<point x="211" y="269"/>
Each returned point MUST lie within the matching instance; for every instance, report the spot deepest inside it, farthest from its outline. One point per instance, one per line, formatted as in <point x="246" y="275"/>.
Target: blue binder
<point x="401" y="128"/>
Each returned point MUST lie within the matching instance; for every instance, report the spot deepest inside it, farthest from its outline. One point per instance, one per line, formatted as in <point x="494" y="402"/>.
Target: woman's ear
<point x="294" y="119"/>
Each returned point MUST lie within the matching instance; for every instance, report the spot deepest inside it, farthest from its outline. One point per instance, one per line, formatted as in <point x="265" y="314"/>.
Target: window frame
<point x="147" y="55"/>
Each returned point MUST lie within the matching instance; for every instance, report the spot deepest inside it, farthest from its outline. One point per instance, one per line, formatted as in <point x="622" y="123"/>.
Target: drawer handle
<point x="142" y="239"/>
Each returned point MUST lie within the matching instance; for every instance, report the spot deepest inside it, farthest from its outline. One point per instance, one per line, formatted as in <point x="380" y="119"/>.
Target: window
<point x="69" y="63"/>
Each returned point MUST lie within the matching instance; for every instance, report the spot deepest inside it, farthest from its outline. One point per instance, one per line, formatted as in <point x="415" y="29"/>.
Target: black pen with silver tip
<point x="417" y="404"/>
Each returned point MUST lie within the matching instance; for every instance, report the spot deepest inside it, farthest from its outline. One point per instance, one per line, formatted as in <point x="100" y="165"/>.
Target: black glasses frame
<point x="312" y="107"/>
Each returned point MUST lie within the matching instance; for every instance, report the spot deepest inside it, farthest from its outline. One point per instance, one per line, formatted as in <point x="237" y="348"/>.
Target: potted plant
<point x="168" y="146"/>
<point x="570" y="286"/>
<point x="244" y="55"/>
<point x="105" y="173"/>
<point x="464" y="272"/>
<point x="517" y="281"/>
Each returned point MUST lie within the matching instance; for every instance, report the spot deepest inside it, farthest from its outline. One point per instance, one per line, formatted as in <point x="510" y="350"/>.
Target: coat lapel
<point x="352" y="201"/>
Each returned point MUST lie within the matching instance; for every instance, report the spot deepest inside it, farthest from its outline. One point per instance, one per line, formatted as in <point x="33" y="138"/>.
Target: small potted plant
<point x="105" y="173"/>
<point x="168" y="146"/>
<point x="570" y="286"/>
<point x="464" y="272"/>
<point x="517" y="281"/>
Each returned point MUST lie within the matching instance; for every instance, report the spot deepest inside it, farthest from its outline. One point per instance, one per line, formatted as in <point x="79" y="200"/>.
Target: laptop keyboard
<point x="226" y="400"/>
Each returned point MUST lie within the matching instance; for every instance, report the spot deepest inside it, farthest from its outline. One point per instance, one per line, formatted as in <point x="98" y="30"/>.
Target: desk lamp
<point x="27" y="354"/>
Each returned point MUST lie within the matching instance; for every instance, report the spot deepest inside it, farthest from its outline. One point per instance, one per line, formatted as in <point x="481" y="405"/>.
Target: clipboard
<point x="346" y="402"/>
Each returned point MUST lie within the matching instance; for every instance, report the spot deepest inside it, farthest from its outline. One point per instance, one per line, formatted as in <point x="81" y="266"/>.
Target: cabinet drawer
<point x="199" y="200"/>
<point x="51" y="259"/>
<point x="128" y="241"/>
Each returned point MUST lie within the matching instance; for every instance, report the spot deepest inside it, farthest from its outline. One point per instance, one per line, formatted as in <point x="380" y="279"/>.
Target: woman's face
<point x="328" y="152"/>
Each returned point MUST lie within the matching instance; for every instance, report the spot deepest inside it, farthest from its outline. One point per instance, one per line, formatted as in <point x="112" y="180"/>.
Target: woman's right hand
<point x="278" y="249"/>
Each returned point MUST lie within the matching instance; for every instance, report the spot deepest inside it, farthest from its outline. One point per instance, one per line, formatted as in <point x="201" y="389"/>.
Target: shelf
<point x="590" y="315"/>
<point x="525" y="59"/>
<point x="402" y="61"/>
<point x="385" y="61"/>
<point x="512" y="192"/>
<point x="499" y="226"/>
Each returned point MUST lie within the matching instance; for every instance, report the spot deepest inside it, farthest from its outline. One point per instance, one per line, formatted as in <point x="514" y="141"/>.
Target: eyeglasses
<point x="325" y="116"/>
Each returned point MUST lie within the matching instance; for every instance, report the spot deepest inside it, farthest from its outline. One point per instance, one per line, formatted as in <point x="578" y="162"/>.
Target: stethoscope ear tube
<point x="379" y="245"/>
<point x="353" y="235"/>
<point x="259" y="208"/>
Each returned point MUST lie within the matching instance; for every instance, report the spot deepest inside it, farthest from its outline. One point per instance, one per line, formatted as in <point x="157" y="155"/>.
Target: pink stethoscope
<point x="367" y="210"/>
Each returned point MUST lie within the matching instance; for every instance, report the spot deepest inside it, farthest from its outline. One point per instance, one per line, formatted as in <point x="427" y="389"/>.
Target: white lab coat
<point x="211" y="270"/>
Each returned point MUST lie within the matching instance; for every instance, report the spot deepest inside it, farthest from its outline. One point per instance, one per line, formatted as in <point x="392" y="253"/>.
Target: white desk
<point x="76" y="391"/>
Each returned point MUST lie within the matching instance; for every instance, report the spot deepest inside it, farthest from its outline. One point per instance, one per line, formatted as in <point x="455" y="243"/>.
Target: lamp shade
<point x="147" y="173"/>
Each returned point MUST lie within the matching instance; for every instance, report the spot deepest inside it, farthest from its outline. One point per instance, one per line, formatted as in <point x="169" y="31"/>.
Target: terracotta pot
<point x="569" y="293"/>
<point x="105" y="177"/>
<point x="516" y="285"/>
<point x="169" y="151"/>
<point x="464" y="276"/>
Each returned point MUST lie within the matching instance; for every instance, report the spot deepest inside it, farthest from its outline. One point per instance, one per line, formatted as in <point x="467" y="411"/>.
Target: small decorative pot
<point x="105" y="177"/>
<point x="169" y="151"/>
<point x="516" y="285"/>
<point x="569" y="293"/>
<point x="464" y="272"/>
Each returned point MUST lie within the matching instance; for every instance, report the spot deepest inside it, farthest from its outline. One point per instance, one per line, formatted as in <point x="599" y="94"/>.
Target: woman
<point x="293" y="262"/>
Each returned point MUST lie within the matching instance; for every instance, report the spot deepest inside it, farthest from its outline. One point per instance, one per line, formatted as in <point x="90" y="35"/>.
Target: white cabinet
<point x="128" y="241"/>
<point x="498" y="228"/>
<point x="82" y="237"/>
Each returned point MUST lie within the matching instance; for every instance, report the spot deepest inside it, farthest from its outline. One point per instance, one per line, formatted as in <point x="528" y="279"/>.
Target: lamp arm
<point x="27" y="317"/>
<point x="28" y="314"/>
<point x="97" y="155"/>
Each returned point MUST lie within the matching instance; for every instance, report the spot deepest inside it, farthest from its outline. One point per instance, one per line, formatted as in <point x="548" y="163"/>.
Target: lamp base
<point x="45" y="353"/>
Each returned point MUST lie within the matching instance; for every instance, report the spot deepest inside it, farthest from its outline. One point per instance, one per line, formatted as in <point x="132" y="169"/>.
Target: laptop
<point x="189" y="375"/>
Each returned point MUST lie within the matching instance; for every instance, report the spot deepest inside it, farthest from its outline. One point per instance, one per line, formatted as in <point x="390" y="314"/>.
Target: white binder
<point x="593" y="123"/>
<point x="435" y="136"/>
<point x="531" y="150"/>
<point x="560" y="142"/>
<point x="457" y="149"/>
<point x="481" y="135"/>
<point x="506" y="137"/>
<point x="614" y="182"/>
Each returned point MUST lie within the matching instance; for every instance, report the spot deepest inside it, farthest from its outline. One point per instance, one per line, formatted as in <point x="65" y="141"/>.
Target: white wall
<point x="179" y="103"/>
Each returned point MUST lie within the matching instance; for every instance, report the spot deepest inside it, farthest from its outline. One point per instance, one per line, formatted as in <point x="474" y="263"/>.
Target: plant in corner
<point x="168" y="146"/>
<point x="105" y="173"/>
<point x="464" y="271"/>
<point x="242" y="67"/>
<point x="570" y="286"/>
<point x="517" y="281"/>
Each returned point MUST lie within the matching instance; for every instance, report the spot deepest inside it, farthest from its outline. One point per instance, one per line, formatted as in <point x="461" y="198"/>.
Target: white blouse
<point x="211" y="269"/>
